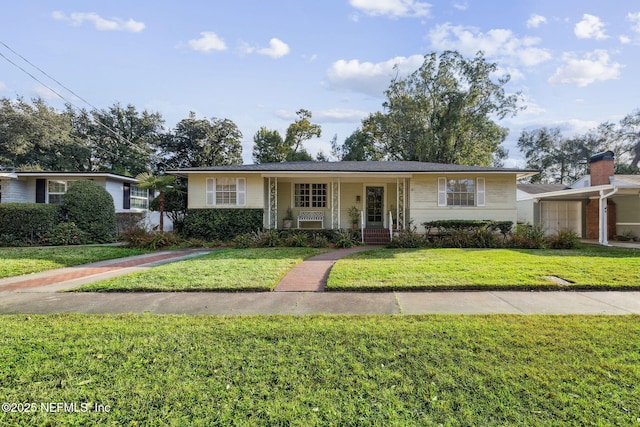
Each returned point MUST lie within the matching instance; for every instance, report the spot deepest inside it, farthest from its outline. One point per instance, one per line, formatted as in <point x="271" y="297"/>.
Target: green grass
<point x="18" y="261"/>
<point x="445" y="269"/>
<point x="317" y="371"/>
<point x="225" y="270"/>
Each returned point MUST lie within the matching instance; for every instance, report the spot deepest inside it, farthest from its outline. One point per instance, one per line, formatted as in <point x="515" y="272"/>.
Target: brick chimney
<point x="601" y="168"/>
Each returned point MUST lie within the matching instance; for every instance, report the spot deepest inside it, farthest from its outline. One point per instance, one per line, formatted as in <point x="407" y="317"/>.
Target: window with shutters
<point x="56" y="190"/>
<point x="139" y="197"/>
<point x="461" y="192"/>
<point x="226" y="192"/>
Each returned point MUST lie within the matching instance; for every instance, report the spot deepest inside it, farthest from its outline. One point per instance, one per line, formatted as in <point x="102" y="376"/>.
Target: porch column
<point x="335" y="204"/>
<point x="272" y="213"/>
<point x="400" y="202"/>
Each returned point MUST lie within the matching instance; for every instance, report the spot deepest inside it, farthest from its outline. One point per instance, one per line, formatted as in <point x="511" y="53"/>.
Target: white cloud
<point x="595" y="66"/>
<point x="368" y="77"/>
<point x="2" y="86"/>
<point x="277" y="49"/>
<point x="392" y="8"/>
<point x="44" y="92"/>
<point x="494" y="43"/>
<point x="535" y="20"/>
<point x="101" y="24"/>
<point x="339" y="115"/>
<point x="461" y="6"/>
<point x="590" y="28"/>
<point x="635" y="20"/>
<point x="207" y="42"/>
<point x="625" y="40"/>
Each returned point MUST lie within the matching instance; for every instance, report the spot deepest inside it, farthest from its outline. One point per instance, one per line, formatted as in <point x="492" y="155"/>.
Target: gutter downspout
<point x="603" y="224"/>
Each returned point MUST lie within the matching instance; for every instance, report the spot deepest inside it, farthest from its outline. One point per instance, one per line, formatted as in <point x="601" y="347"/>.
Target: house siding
<point x="15" y="191"/>
<point x="500" y="199"/>
<point x="628" y="215"/>
<point x="197" y="196"/>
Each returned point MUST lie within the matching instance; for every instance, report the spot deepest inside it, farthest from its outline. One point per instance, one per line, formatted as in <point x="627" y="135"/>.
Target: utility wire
<point x="120" y="137"/>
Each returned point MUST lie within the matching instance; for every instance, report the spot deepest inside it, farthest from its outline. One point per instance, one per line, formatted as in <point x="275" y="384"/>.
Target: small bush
<point x="298" y="240"/>
<point x="563" y="239"/>
<point x="265" y="239"/>
<point x="346" y="239"/>
<point x="243" y="241"/>
<point x="91" y="208"/>
<point x="407" y="238"/>
<point x="319" y="241"/>
<point x="65" y="233"/>
<point x="527" y="236"/>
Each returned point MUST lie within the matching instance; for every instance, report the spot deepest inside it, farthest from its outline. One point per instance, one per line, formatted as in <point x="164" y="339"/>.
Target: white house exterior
<point x="50" y="187"/>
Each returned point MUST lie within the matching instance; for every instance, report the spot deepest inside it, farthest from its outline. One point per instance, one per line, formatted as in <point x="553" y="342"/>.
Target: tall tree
<point x="203" y="142"/>
<point x="297" y="133"/>
<point x="122" y="140"/>
<point x="269" y="147"/>
<point x="561" y="159"/>
<point x="443" y="112"/>
<point x="36" y="136"/>
<point x="358" y="146"/>
<point x="628" y="133"/>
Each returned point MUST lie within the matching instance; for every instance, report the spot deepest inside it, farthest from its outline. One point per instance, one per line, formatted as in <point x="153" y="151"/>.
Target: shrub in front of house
<point x="129" y="221"/>
<point x="221" y="224"/>
<point x="26" y="223"/>
<point x="91" y="208"/>
<point x="64" y="233"/>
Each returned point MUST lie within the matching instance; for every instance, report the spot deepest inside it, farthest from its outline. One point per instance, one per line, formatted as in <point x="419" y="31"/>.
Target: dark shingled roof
<point x="541" y="188"/>
<point x="351" y="166"/>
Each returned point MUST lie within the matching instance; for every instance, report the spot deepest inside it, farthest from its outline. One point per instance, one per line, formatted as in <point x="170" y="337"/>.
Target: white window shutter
<point x="481" y="192"/>
<point x="442" y="191"/>
<point x="241" y="192"/>
<point x="211" y="191"/>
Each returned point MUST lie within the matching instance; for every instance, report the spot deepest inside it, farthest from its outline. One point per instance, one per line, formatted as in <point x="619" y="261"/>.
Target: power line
<point x="120" y="137"/>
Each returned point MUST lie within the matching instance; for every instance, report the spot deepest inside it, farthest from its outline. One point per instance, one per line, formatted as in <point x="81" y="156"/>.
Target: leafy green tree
<point x="202" y="142"/>
<point x="36" y="136"/>
<point x="269" y="147"/>
<point x="159" y="183"/>
<point x="121" y="139"/>
<point x="358" y="146"/>
<point x="561" y="159"/>
<point x="628" y="132"/>
<point x="91" y="208"/>
<point x="444" y="112"/>
<point x="297" y="133"/>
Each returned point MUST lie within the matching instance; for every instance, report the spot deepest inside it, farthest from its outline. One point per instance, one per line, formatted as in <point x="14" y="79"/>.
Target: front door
<point x="375" y="207"/>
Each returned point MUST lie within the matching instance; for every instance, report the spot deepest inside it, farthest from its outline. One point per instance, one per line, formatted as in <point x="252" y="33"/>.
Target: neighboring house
<point x="389" y="194"/>
<point x="598" y="206"/>
<point x="50" y="187"/>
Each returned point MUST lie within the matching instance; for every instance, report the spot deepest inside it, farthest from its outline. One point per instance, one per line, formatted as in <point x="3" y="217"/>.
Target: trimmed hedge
<point x="221" y="224"/>
<point x="468" y="225"/>
<point x="26" y="223"/>
<point x="91" y="208"/>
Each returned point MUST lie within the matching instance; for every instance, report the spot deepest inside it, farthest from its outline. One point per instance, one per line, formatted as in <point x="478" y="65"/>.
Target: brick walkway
<point x="72" y="273"/>
<point x="311" y="274"/>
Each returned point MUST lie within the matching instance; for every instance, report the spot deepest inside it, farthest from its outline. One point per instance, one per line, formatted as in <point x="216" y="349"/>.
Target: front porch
<point x="377" y="203"/>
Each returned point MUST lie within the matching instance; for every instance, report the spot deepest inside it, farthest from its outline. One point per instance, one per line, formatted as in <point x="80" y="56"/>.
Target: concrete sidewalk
<point x="301" y="303"/>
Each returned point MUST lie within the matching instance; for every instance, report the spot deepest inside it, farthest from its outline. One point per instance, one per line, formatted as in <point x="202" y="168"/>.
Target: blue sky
<point x="255" y="62"/>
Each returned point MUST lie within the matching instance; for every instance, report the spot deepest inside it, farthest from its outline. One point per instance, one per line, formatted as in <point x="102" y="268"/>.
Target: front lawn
<point x="590" y="267"/>
<point x="226" y="270"/>
<point x="18" y="261"/>
<point x="318" y="370"/>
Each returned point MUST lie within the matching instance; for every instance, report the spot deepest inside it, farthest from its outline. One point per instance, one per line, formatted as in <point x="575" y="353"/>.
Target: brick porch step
<point x="376" y="236"/>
